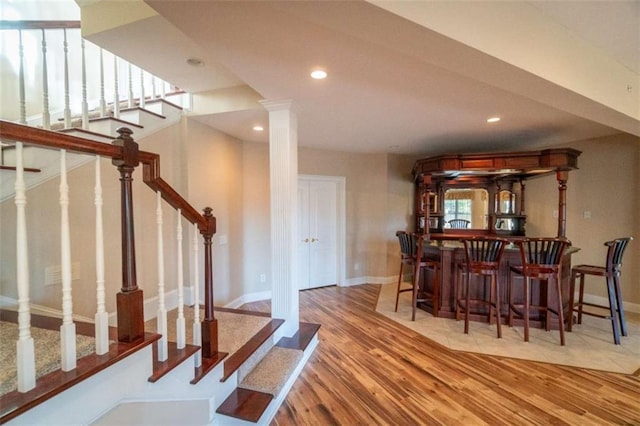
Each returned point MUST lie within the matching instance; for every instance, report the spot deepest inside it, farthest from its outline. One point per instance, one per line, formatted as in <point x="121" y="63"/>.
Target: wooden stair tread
<point x="302" y="338"/>
<point x="245" y="404"/>
<point x="14" y="403"/>
<point x="175" y="357"/>
<point x="241" y="355"/>
<point x="207" y="365"/>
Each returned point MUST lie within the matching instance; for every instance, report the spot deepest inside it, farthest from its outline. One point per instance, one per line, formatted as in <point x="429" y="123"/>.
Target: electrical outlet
<point x="263" y="278"/>
<point x="586" y="214"/>
<point x="555" y="214"/>
<point x="356" y="266"/>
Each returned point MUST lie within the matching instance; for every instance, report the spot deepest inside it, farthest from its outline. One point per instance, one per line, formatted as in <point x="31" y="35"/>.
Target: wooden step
<point x="302" y="338"/>
<point x="245" y="404"/>
<point x="175" y="357"/>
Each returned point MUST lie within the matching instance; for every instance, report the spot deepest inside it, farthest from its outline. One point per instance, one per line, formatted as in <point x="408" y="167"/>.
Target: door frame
<point x="341" y="220"/>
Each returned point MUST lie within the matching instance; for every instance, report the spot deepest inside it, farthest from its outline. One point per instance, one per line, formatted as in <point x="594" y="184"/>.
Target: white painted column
<point x="68" y="328"/>
<point x="24" y="346"/>
<point x="101" y="316"/>
<point x="283" y="172"/>
<point x="162" y="310"/>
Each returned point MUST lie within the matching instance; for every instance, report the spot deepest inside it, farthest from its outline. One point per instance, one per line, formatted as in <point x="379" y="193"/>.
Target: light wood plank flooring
<point x="369" y="370"/>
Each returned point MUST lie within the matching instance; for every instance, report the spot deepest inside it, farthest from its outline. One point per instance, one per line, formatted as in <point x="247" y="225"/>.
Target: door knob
<point x="306" y="240"/>
<point x="313" y="240"/>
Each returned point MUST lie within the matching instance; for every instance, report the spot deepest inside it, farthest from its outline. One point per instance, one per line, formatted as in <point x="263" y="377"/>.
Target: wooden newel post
<point x="209" y="324"/>
<point x="562" y="176"/>
<point x="130" y="300"/>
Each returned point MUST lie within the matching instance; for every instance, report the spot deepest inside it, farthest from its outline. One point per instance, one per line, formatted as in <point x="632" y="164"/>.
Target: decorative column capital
<point x="277" y="105"/>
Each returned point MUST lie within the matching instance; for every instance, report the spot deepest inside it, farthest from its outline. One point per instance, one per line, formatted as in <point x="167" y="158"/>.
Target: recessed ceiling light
<point x="493" y="119"/>
<point x="258" y="128"/>
<point x="318" y="74"/>
<point x="195" y="62"/>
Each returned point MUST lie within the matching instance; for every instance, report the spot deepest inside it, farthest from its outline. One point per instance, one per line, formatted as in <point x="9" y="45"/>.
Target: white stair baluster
<point x="46" y="117"/>
<point x="163" y="89"/>
<point x="85" y="105"/>
<point x="153" y="87"/>
<point x="25" y="349"/>
<point x="116" y="95"/>
<point x="67" y="107"/>
<point x="180" y="322"/>
<point x="103" y="102"/>
<point x="130" y="87"/>
<point x="143" y="101"/>
<point x="197" y="328"/>
<point x="23" y="99"/>
<point x="101" y="317"/>
<point x="68" y="328"/>
<point x="162" y="310"/>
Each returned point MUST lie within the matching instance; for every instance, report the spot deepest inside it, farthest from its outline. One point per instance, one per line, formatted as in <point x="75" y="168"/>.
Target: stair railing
<point x="62" y="39"/>
<point x="125" y="156"/>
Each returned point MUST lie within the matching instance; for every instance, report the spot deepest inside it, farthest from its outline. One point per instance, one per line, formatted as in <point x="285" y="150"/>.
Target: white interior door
<point x="317" y="232"/>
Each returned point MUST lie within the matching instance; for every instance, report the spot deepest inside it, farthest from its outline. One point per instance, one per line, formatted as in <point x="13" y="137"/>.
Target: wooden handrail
<point x="38" y="25"/>
<point x="125" y="155"/>
<point x="14" y="132"/>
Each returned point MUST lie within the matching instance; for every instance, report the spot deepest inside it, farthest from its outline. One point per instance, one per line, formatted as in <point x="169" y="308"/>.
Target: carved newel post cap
<point x="211" y="223"/>
<point x="124" y="133"/>
<point x="129" y="148"/>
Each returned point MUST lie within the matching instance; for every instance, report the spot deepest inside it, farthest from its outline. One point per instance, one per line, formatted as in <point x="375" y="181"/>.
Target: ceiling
<point x="393" y="86"/>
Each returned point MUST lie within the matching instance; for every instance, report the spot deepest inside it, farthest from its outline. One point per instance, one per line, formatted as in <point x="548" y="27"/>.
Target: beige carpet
<point x="47" y="353"/>
<point x="589" y="345"/>
<point x="234" y="330"/>
<point x="272" y="372"/>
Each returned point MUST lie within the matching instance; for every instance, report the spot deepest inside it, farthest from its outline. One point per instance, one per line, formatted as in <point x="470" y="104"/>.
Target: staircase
<point x="244" y="387"/>
<point x="127" y="384"/>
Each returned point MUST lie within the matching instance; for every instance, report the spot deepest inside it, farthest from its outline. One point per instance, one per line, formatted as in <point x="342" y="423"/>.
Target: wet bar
<point x="466" y="195"/>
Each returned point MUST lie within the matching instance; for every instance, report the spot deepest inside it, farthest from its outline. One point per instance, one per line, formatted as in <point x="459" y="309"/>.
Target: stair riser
<point x="96" y="395"/>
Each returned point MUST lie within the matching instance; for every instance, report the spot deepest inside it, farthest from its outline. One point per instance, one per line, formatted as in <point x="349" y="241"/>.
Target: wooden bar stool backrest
<point x="482" y="253"/>
<point x="542" y="256"/>
<point x="615" y="252"/>
<point x="459" y="223"/>
<point x="407" y="244"/>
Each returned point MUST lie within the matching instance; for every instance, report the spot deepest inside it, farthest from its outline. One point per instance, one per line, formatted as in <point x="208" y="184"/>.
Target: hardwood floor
<point x="369" y="370"/>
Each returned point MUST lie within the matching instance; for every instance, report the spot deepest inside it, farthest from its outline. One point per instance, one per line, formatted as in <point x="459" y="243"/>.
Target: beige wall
<point x="606" y="185"/>
<point x="215" y="179"/>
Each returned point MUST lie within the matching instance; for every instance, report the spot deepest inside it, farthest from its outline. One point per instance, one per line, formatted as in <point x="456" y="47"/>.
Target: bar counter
<point x="450" y="254"/>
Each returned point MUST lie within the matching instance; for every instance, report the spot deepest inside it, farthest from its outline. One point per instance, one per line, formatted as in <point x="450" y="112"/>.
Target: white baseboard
<point x="599" y="300"/>
<point x="12" y="304"/>
<point x="248" y="298"/>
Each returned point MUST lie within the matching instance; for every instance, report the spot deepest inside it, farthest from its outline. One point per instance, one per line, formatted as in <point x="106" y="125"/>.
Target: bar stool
<point x="410" y="245"/>
<point x="611" y="272"/>
<point x="541" y="260"/>
<point x="482" y="259"/>
<point x="407" y="248"/>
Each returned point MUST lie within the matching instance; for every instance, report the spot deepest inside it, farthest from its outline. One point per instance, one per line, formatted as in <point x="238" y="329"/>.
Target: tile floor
<point x="589" y="345"/>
